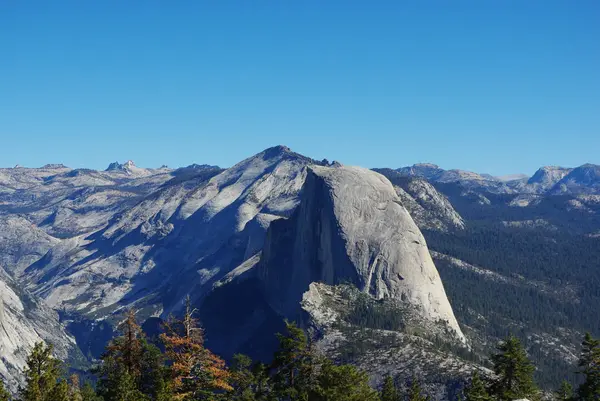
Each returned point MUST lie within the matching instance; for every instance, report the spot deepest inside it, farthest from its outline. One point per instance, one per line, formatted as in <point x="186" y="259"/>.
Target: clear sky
<point x="491" y="86"/>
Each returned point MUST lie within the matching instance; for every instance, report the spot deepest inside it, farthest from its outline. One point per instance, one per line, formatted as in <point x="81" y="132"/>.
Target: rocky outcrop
<point x="350" y="226"/>
<point x="544" y="179"/>
<point x="25" y="320"/>
<point x="428" y="171"/>
<point x="467" y="179"/>
<point x="184" y="237"/>
<point x="22" y="243"/>
<point x="581" y="180"/>
<point x="430" y="209"/>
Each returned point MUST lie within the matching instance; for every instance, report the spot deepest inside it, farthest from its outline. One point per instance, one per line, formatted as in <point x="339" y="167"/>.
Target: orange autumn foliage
<point x="194" y="368"/>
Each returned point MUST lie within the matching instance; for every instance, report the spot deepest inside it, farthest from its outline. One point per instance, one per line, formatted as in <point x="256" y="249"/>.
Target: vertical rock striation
<point x="350" y="226"/>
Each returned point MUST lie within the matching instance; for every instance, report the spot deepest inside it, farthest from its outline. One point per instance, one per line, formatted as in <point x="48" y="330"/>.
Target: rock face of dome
<point x="350" y="226"/>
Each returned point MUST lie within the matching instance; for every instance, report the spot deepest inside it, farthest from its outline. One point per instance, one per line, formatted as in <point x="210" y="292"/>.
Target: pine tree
<point x="589" y="363"/>
<point x="128" y="348"/>
<point x="196" y="372"/>
<point x="294" y="365"/>
<point x="564" y="392"/>
<point x="476" y="390"/>
<point x="88" y="393"/>
<point x="342" y="383"/>
<point x="514" y="371"/>
<point x="60" y="392"/>
<point x="389" y="391"/>
<point x="74" y="388"/>
<point x="262" y="382"/>
<point x="120" y="374"/>
<point x="154" y="378"/>
<point x="41" y="374"/>
<point x="4" y="394"/>
<point x="415" y="393"/>
<point x="242" y="379"/>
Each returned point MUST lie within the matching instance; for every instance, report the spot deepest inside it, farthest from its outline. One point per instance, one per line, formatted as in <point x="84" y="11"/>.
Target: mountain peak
<point x="277" y="151"/>
<point x="54" y="165"/>
<point x="116" y="166"/>
<point x="549" y="175"/>
<point x="428" y="165"/>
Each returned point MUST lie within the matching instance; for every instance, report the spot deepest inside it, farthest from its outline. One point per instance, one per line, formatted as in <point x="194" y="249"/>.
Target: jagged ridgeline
<point x="282" y="236"/>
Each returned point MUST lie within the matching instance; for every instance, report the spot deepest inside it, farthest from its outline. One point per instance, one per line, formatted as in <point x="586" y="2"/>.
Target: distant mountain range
<point x="584" y="179"/>
<point x="280" y="235"/>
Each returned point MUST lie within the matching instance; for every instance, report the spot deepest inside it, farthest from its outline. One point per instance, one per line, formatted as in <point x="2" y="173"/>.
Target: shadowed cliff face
<point x="24" y="320"/>
<point x="351" y="227"/>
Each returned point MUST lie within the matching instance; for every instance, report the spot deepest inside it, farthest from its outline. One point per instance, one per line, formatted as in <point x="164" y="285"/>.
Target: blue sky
<point x="491" y="86"/>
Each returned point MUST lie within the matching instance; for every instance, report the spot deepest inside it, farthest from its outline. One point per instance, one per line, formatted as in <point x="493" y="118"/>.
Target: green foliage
<point x="262" y="382"/>
<point x="389" y="392"/>
<point x="375" y="314"/>
<point x="343" y="383"/>
<point x="242" y="379"/>
<point x="154" y="375"/>
<point x="293" y="364"/>
<point x="589" y="363"/>
<point x="41" y="375"/>
<point x="74" y="389"/>
<point x="476" y="390"/>
<point x="131" y="368"/>
<point x="60" y="392"/>
<point x="88" y="393"/>
<point x="415" y="392"/>
<point x="566" y="260"/>
<point x="140" y="372"/>
<point x="514" y="371"/>
<point x="564" y="392"/>
<point x="4" y="394"/>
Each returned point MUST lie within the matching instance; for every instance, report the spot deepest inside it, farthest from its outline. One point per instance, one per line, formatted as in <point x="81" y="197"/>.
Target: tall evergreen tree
<point x="242" y="379"/>
<point x="41" y="375"/>
<point x="294" y="365"/>
<point x="416" y="393"/>
<point x="589" y="364"/>
<point x="514" y="371"/>
<point x="4" y="394"/>
<point x="88" y="393"/>
<point x="564" y="392"/>
<point x="120" y="373"/>
<point x="476" y="390"/>
<point x="197" y="373"/>
<point x="154" y="380"/>
<point x="74" y="388"/>
<point x="60" y="392"/>
<point x="389" y="392"/>
<point x="262" y="382"/>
